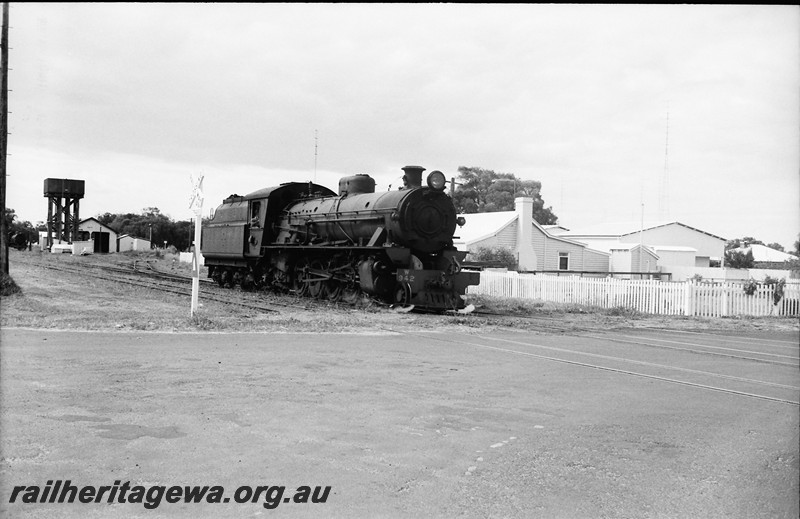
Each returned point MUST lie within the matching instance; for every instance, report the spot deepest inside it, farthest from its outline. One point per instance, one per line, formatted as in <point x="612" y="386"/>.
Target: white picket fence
<point x="648" y="296"/>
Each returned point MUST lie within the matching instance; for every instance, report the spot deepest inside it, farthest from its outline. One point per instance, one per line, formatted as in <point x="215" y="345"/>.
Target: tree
<point x="484" y="191"/>
<point x="742" y="242"/>
<point x="152" y="225"/>
<point x="776" y="246"/>
<point x="738" y="259"/>
<point x="494" y="256"/>
<point x="15" y="226"/>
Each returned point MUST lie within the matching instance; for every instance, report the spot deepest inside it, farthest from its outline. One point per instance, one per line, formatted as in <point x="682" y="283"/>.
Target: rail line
<point x="173" y="286"/>
<point x="793" y="345"/>
<point x="696" y="351"/>
<point x="551" y="324"/>
<point x="464" y="340"/>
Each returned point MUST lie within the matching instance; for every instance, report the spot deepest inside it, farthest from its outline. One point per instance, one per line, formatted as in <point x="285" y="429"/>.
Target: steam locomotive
<point x="395" y="246"/>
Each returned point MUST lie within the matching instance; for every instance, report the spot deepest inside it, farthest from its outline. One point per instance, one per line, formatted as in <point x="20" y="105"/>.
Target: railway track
<point x="143" y="274"/>
<point x="742" y="386"/>
<point x="166" y="283"/>
<point x="789" y="357"/>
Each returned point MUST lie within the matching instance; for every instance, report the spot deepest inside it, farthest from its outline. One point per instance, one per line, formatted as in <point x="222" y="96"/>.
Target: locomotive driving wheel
<point x="316" y="283"/>
<point x="339" y="279"/>
<point x="299" y="284"/>
<point x="333" y="290"/>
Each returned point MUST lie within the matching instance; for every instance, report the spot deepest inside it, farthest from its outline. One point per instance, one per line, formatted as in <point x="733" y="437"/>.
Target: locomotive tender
<point x="396" y="246"/>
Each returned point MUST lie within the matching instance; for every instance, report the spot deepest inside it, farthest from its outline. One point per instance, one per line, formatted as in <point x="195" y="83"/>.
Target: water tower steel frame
<point x="63" y="208"/>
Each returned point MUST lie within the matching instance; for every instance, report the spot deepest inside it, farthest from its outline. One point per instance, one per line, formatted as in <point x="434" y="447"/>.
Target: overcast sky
<point x="602" y="104"/>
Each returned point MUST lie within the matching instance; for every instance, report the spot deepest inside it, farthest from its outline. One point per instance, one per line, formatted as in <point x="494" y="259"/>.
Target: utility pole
<point x="3" y="140"/>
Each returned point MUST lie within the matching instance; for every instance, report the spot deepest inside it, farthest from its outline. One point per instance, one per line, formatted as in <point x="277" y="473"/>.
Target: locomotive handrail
<point x="322" y="218"/>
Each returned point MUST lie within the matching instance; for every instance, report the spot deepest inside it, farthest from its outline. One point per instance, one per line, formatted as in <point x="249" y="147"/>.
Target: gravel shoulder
<point x="53" y="299"/>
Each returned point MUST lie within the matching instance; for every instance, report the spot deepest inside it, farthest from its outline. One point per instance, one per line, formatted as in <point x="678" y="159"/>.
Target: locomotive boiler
<point x="396" y="246"/>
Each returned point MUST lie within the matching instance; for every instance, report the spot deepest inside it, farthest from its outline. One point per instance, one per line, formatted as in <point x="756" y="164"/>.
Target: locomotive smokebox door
<point x="255" y="233"/>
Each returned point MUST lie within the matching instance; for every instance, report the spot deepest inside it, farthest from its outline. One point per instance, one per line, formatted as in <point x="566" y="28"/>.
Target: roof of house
<point x="673" y="248"/>
<point x="483" y="225"/>
<point x="618" y="229"/>
<point x="480" y="226"/>
<point x="764" y="253"/>
<point x="609" y="245"/>
<point x="555" y="229"/>
<point x="98" y="222"/>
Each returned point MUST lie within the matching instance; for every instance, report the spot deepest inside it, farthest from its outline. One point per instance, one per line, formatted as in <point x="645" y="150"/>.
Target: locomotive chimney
<point x="413" y="176"/>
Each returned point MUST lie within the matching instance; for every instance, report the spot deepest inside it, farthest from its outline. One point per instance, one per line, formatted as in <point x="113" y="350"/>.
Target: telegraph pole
<point x="3" y="139"/>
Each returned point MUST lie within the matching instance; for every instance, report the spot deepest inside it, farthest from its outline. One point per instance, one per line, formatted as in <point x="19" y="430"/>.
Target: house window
<point x="563" y="261"/>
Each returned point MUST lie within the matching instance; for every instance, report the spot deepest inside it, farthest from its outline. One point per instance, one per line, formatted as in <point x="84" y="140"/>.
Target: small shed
<point x="626" y="257"/>
<point x="127" y="242"/>
<point x="103" y="236"/>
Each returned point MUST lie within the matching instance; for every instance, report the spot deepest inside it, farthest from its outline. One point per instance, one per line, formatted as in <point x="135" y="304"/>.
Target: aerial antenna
<point x="315" y="156"/>
<point x="663" y="200"/>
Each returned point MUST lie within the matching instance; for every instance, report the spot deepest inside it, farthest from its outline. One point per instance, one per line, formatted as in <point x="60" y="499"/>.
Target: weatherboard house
<point x="535" y="248"/>
<point x="674" y="243"/>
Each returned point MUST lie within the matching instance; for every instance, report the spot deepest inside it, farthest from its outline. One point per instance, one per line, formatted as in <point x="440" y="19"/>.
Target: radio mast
<point x="663" y="199"/>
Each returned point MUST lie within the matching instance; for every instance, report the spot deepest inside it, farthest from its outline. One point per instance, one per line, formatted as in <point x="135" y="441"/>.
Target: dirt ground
<point x="401" y="415"/>
<point x="54" y="300"/>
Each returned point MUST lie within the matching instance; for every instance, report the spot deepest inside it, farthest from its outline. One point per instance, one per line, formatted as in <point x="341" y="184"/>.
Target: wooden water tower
<point x="63" y="208"/>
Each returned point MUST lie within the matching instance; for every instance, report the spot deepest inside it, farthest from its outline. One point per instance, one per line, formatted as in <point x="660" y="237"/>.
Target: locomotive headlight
<point x="436" y="180"/>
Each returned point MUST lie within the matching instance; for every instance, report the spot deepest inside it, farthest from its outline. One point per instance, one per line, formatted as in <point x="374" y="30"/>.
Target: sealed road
<point x="421" y="424"/>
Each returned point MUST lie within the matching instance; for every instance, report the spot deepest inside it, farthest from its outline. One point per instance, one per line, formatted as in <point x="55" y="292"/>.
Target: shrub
<point x="778" y="285"/>
<point x="494" y="256"/>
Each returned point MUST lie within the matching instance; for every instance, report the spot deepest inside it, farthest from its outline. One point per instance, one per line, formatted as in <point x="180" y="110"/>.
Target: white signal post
<point x="196" y="204"/>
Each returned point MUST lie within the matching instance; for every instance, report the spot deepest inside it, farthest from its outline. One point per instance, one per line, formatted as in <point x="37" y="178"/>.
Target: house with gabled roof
<point x="668" y="235"/>
<point x="536" y="249"/>
<point x="767" y="258"/>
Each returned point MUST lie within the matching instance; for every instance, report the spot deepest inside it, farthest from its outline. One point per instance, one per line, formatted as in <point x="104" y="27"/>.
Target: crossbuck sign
<point x="196" y="205"/>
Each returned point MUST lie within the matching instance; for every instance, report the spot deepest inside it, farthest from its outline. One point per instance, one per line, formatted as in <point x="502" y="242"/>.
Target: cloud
<point x="570" y="95"/>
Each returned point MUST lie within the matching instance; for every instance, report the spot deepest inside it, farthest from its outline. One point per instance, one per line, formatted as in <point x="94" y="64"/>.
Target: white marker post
<point x="196" y="204"/>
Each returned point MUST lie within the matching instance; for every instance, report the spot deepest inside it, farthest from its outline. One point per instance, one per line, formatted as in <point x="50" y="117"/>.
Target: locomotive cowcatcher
<point x="396" y="246"/>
